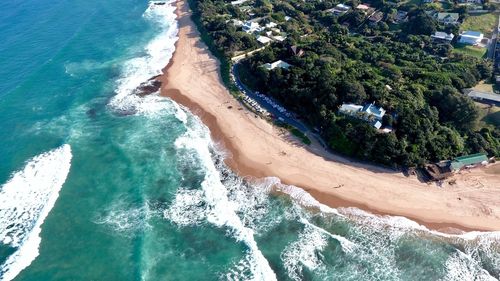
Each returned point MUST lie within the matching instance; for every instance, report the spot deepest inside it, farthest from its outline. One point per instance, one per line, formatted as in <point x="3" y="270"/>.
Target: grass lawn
<point x="488" y="115"/>
<point x="493" y="117"/>
<point x="484" y="23"/>
<point x="470" y="50"/>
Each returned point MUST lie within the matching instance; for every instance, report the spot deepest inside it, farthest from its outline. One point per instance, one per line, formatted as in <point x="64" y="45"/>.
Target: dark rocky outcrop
<point x="148" y="87"/>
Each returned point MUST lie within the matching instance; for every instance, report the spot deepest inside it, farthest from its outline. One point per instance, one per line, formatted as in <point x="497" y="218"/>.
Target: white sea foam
<point x="212" y="200"/>
<point x="461" y="266"/>
<point x="300" y="196"/>
<point x="158" y="52"/>
<point x="25" y="201"/>
<point x="304" y="252"/>
<point x="126" y="219"/>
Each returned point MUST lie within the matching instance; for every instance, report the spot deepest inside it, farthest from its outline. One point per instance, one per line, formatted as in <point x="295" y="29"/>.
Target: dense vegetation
<point x="345" y="60"/>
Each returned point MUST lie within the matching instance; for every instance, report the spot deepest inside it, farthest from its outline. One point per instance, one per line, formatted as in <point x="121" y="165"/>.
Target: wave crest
<point x="26" y="200"/>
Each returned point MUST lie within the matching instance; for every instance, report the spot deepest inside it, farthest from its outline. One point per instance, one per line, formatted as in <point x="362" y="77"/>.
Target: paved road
<point x="274" y="111"/>
<point x="266" y="105"/>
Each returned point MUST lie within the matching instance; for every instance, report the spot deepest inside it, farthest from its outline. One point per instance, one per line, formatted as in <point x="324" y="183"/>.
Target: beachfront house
<point x="469" y="161"/>
<point x="369" y="112"/>
<point x="251" y="27"/>
<point x="440" y="36"/>
<point x="276" y="64"/>
<point x="448" y="18"/>
<point x="470" y="37"/>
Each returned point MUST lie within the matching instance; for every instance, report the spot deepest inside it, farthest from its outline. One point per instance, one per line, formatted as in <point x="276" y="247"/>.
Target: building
<point x="264" y="40"/>
<point x="251" y="27"/>
<point x="371" y="113"/>
<point x="373" y="110"/>
<point x="438" y="171"/>
<point x="365" y="8"/>
<point x="276" y="64"/>
<point x="448" y="18"/>
<point x="442" y="36"/>
<point x="471" y="37"/>
<point x="340" y="9"/>
<point x="237" y="22"/>
<point x="350" y="108"/>
<point x="444" y="169"/>
<point x="484" y="97"/>
<point x="271" y="25"/>
<point x="469" y="161"/>
<point x="470" y="1"/>
<point x="238" y="2"/>
<point x="279" y="38"/>
<point x="376" y="17"/>
<point x="401" y="16"/>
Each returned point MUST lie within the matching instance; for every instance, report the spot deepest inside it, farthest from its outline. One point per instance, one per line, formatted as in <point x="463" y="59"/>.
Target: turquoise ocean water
<point x="99" y="184"/>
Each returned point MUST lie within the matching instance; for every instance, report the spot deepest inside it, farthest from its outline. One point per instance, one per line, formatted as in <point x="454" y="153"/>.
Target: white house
<point x="251" y="27"/>
<point x="471" y="37"/>
<point x="442" y="36"/>
<point x="238" y="2"/>
<point x="350" y="108"/>
<point x="373" y="110"/>
<point x="279" y="38"/>
<point x="371" y="113"/>
<point x="271" y="25"/>
<point x="237" y="22"/>
<point x="340" y="9"/>
<point x="278" y="63"/>
<point x="264" y="40"/>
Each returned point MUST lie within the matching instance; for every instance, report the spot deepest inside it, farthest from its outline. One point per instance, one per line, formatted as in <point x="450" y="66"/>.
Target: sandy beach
<point x="259" y="149"/>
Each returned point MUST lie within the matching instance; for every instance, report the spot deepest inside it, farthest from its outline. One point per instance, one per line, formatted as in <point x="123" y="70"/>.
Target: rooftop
<point x="484" y="96"/>
<point x="278" y="63"/>
<point x="467" y="160"/>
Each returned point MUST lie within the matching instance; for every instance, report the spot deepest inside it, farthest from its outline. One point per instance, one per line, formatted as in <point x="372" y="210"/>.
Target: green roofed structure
<point x="467" y="160"/>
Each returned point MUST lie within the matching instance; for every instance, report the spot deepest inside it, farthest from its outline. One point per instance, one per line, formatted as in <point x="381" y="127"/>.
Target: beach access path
<point x="258" y="149"/>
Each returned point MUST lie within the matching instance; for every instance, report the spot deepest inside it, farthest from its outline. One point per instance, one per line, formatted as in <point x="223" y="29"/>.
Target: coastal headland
<point x="258" y="149"/>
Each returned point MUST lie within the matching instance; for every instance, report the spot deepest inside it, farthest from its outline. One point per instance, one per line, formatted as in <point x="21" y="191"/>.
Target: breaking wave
<point x="26" y="200"/>
<point x="212" y="202"/>
<point x="157" y="54"/>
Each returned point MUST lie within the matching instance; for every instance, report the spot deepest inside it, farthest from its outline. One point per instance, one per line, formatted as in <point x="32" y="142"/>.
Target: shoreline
<point x="258" y="149"/>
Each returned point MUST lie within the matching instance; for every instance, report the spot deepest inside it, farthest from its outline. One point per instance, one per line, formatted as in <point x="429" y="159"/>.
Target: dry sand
<point x="259" y="149"/>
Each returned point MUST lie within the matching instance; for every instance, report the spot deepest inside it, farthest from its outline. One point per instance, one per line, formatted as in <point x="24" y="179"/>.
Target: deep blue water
<point x="90" y="193"/>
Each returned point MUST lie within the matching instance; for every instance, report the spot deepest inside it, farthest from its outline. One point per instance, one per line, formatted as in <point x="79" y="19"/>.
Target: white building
<point x="371" y="113"/>
<point x="238" y="2"/>
<point x="279" y="38"/>
<point x="373" y="110"/>
<point x="264" y="40"/>
<point x="340" y="9"/>
<point x="251" y="27"/>
<point x="350" y="108"/>
<point x="271" y="25"/>
<point x="278" y="63"/>
<point x="471" y="37"/>
<point x="443" y="36"/>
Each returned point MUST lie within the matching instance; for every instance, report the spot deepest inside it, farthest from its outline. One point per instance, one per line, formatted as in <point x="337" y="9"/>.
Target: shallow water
<point x="99" y="184"/>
